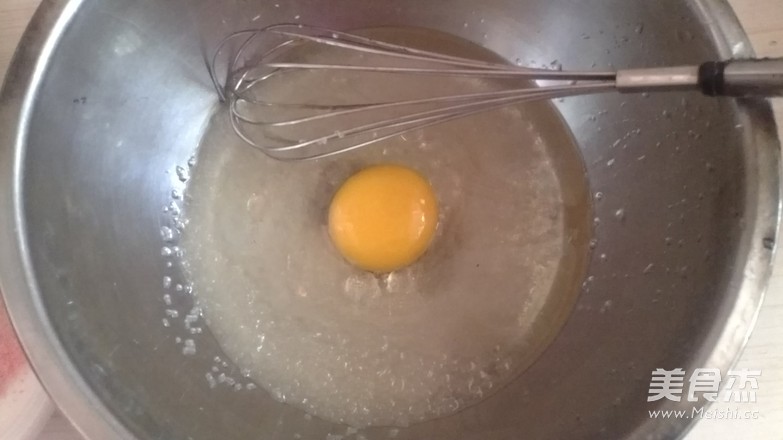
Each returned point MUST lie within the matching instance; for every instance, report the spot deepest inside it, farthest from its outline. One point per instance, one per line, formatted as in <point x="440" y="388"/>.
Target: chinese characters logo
<point x="741" y="385"/>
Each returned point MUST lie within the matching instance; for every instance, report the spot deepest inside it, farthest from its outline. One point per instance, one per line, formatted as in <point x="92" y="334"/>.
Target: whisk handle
<point x="657" y="79"/>
<point x="754" y="77"/>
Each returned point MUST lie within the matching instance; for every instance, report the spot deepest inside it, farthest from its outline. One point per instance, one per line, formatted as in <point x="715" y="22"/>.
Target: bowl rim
<point x="47" y="356"/>
<point x="92" y="418"/>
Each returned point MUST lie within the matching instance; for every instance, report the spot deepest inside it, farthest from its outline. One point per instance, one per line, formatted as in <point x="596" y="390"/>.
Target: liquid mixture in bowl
<point x="353" y="346"/>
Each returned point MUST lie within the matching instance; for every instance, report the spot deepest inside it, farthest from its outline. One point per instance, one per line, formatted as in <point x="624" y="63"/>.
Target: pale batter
<point x="424" y="341"/>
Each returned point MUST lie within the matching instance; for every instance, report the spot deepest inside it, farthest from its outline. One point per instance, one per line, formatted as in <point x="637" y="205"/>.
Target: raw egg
<point x="383" y="218"/>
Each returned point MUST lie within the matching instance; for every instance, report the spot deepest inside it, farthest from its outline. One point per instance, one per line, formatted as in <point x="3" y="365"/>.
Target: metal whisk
<point x="310" y="130"/>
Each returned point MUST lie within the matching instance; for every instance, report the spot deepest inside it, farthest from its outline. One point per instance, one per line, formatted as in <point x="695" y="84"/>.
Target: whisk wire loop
<point x="265" y="55"/>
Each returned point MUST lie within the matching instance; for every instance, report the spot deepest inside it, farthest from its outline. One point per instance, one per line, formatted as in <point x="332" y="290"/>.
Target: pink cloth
<point x="11" y="356"/>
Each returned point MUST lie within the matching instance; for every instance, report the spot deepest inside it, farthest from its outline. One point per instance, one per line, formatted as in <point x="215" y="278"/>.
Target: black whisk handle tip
<point x="711" y="78"/>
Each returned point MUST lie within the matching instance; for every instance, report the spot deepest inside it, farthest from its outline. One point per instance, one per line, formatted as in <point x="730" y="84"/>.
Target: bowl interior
<point x="684" y="204"/>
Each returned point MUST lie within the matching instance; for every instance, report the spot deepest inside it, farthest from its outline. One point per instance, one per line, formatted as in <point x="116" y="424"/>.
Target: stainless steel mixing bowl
<point x="106" y="97"/>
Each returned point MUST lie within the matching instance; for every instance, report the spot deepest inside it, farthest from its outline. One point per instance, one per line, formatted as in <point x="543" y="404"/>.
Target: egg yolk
<point x="383" y="218"/>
